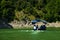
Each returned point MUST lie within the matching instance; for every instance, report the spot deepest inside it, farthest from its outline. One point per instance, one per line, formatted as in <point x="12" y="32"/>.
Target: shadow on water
<point x="5" y="25"/>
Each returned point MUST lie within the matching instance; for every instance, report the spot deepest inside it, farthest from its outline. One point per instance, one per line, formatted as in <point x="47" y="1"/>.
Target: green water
<point x="29" y="35"/>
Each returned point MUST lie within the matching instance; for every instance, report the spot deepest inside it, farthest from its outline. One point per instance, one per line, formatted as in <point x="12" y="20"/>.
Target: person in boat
<point x="35" y="28"/>
<point x="43" y="27"/>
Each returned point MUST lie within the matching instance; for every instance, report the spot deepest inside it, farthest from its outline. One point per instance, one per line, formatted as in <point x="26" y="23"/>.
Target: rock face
<point x="19" y="25"/>
<point x="15" y="24"/>
<point x="57" y="24"/>
<point x="4" y="25"/>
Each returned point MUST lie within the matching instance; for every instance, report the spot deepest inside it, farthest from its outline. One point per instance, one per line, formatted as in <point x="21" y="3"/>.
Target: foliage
<point x="31" y="9"/>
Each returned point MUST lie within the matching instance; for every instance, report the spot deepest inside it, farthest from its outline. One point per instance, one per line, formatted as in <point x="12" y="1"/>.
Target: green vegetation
<point x="48" y="28"/>
<point x="31" y="28"/>
<point x="31" y="9"/>
<point x="6" y="34"/>
<point x="53" y="28"/>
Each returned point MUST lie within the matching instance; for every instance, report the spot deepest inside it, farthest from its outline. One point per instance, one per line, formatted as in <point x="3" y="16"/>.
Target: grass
<point x="30" y="28"/>
<point x="17" y="34"/>
<point x="48" y="28"/>
<point x="53" y="28"/>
